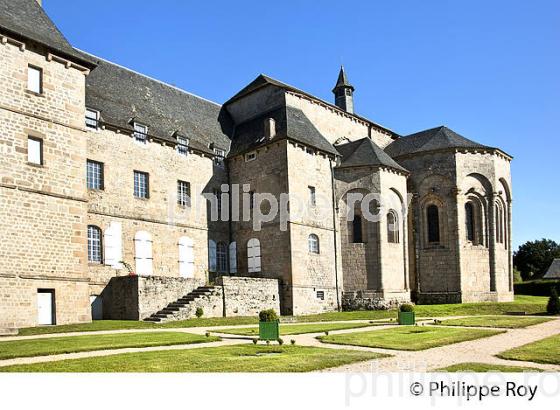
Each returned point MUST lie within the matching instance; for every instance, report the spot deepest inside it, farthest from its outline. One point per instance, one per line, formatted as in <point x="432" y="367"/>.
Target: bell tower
<point x="344" y="92"/>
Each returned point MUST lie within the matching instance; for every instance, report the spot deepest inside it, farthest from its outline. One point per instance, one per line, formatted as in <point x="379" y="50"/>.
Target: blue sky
<point x="487" y="69"/>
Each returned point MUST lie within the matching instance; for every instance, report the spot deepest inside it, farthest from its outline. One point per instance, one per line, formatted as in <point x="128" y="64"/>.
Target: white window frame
<point x="182" y="145"/>
<point x="250" y="156"/>
<point x="34" y="150"/>
<point x="95" y="245"/>
<point x="183" y="193"/>
<point x="35" y="79"/>
<point x="140" y="133"/>
<point x="97" y="182"/>
<point x="146" y="185"/>
<point x="313" y="244"/>
<point x="92" y="122"/>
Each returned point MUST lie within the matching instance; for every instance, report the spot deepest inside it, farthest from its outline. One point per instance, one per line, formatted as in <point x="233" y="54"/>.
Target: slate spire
<point x="344" y="92"/>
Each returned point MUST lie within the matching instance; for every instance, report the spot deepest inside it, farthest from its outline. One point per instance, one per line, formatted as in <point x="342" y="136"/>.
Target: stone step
<point x="177" y="305"/>
<point x="152" y="319"/>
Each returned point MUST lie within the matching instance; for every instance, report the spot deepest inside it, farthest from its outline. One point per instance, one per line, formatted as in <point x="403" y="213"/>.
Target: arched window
<point x="469" y="221"/>
<point x="253" y="256"/>
<point x="221" y="257"/>
<point x="499" y="223"/>
<point x="313" y="243"/>
<point x="186" y="257"/>
<point x="212" y="255"/>
<point x="432" y="214"/>
<point x="94" y="244"/>
<point x="143" y="253"/>
<point x="357" y="235"/>
<point x="393" y="227"/>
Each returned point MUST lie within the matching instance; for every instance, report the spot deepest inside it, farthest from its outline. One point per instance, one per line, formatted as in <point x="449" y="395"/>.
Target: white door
<point x="96" y="307"/>
<point x="45" y="308"/>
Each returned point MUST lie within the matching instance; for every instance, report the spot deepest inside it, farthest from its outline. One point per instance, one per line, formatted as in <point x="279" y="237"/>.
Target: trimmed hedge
<point x="540" y="287"/>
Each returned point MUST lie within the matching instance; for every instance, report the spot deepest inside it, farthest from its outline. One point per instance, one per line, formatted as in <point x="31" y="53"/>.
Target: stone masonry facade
<point x="118" y="214"/>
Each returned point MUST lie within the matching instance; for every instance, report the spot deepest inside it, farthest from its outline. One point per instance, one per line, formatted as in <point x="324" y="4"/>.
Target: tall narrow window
<point x="212" y="255"/>
<point x="251" y="199"/>
<point x="469" y="221"/>
<point x="218" y="201"/>
<point x="94" y="244"/>
<point x="94" y="174"/>
<point x="219" y="155"/>
<point x="233" y="257"/>
<point x="92" y="118"/>
<point x="141" y="185"/>
<point x="432" y="213"/>
<point x="221" y="257"/>
<point x="183" y="193"/>
<point x="35" y="150"/>
<point x="253" y="256"/>
<point x="357" y="234"/>
<point x="313" y="243"/>
<point x="140" y="133"/>
<point x="393" y="227"/>
<point x="182" y="145"/>
<point x="35" y="79"/>
<point x="312" y="196"/>
<point x="499" y="224"/>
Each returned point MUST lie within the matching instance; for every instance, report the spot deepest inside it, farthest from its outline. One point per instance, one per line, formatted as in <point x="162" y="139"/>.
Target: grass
<point x="507" y="322"/>
<point x="73" y="344"/>
<point x="241" y="358"/>
<point x="484" y="368"/>
<point x="543" y="351"/>
<point x="530" y="304"/>
<point x="409" y="337"/>
<point x="297" y="329"/>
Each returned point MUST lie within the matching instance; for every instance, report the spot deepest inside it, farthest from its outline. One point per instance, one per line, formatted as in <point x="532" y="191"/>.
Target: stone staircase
<point x="185" y="307"/>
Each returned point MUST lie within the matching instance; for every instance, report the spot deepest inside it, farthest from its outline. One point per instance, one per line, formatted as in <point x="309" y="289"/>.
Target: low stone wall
<point x="371" y="300"/>
<point x="437" y="298"/>
<point x="248" y="296"/>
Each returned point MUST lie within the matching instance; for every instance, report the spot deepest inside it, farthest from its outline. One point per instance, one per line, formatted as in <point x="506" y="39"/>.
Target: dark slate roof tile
<point x="364" y="152"/>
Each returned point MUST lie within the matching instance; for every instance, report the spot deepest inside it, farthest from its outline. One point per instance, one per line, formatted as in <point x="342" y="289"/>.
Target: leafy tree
<point x="533" y="258"/>
<point x="553" y="306"/>
<point x="517" y="276"/>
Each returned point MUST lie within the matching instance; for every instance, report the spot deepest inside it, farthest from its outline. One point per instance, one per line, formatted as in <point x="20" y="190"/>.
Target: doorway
<point x="46" y="307"/>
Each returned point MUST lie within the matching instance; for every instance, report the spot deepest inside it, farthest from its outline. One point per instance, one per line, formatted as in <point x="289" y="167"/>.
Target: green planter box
<point x="269" y="330"/>
<point x="407" y="318"/>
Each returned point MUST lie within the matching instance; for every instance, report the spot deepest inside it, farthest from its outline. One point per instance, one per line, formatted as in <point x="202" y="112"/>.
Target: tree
<point x="553" y="306"/>
<point x="533" y="258"/>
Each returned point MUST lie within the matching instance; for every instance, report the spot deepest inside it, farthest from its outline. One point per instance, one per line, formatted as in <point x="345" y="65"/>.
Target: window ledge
<point x="35" y="94"/>
<point x="33" y="164"/>
<point x="140" y="198"/>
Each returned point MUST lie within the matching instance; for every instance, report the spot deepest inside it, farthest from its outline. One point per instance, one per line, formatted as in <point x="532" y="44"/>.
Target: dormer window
<point x="182" y="145"/>
<point x="92" y="118"/>
<point x="140" y="133"/>
<point x="219" y="155"/>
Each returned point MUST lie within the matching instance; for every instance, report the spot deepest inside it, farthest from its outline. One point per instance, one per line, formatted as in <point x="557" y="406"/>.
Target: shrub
<point x="542" y="287"/>
<point x="406" y="307"/>
<point x="293" y="342"/>
<point x="553" y="306"/>
<point x="207" y="334"/>
<point x="199" y="312"/>
<point x="280" y="341"/>
<point x="268" y="315"/>
<point x="326" y="332"/>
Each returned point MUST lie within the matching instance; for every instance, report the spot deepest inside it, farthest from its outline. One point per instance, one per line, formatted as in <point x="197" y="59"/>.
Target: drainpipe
<point x="334" y="211"/>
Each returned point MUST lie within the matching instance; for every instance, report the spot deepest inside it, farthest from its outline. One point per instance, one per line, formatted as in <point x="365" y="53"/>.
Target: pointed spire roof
<point x="364" y="152"/>
<point x="342" y="80"/>
<point x="553" y="271"/>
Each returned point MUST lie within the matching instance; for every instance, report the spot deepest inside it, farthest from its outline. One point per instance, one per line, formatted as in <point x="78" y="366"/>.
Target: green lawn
<point x="542" y="351"/>
<point x="409" y="337"/>
<point x="484" y="367"/>
<point x="529" y="304"/>
<point x="507" y="322"/>
<point x="286" y="330"/>
<point x="241" y="358"/>
<point x="72" y="344"/>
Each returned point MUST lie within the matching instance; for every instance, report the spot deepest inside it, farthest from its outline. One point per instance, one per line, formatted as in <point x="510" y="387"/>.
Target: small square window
<point x="92" y="118"/>
<point x="251" y="156"/>
<point x="183" y="193"/>
<point x="94" y="175"/>
<point x="141" y="185"/>
<point x="35" y="150"/>
<point x="140" y="133"/>
<point x="219" y="155"/>
<point x="35" y="79"/>
<point x="321" y="294"/>
<point x="182" y="145"/>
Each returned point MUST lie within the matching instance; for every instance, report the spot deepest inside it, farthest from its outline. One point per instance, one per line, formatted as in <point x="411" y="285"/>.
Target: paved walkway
<point x="480" y="351"/>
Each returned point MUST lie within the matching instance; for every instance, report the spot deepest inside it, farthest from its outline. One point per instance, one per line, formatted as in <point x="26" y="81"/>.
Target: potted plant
<point x="269" y="328"/>
<point x="406" y="314"/>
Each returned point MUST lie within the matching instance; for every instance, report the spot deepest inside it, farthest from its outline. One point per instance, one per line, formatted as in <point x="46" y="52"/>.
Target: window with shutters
<point x="211" y="255"/>
<point x="143" y="253"/>
<point x="253" y="256"/>
<point x="186" y="257"/>
<point x="94" y="244"/>
<point x="233" y="257"/>
<point x="221" y="257"/>
<point x="112" y="238"/>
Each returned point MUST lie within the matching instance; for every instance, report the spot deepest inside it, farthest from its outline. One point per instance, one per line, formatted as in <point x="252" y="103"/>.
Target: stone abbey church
<point x="99" y="165"/>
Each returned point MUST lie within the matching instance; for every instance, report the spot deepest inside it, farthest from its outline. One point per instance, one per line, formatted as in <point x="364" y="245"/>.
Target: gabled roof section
<point x="291" y="123"/>
<point x="430" y="140"/>
<point x="553" y="271"/>
<point x="264" y="80"/>
<point x="27" y="20"/>
<point x="364" y="152"/>
<point x="123" y="96"/>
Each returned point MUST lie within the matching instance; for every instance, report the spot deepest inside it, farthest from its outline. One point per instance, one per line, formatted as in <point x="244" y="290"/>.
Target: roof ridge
<point x="149" y="78"/>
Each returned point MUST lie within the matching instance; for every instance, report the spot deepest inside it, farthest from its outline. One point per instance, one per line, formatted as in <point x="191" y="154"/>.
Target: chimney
<point x="269" y="128"/>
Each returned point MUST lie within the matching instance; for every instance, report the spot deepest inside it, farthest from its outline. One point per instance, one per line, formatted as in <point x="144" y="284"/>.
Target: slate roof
<point x="26" y="19"/>
<point x="364" y="152"/>
<point x="123" y="96"/>
<point x="291" y="123"/>
<point x="430" y="140"/>
<point x="264" y="80"/>
<point x="342" y="80"/>
<point x="553" y="271"/>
